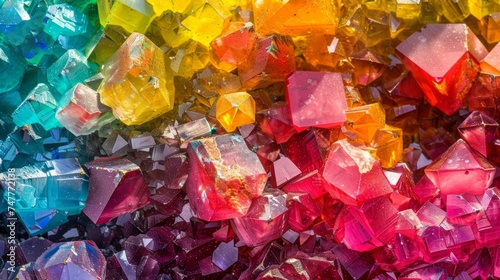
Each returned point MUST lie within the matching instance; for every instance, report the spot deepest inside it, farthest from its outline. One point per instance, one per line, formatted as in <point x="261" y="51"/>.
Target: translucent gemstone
<point x="80" y="109"/>
<point x="133" y="16"/>
<point x="484" y="95"/>
<point x="70" y="260"/>
<point x="136" y="85"/>
<point x="107" y="43"/>
<point x="490" y="28"/>
<point x="70" y="69"/>
<point x="295" y="18"/>
<point x="316" y="99"/>
<point x="325" y="51"/>
<point x="116" y="187"/>
<point x="189" y="59"/>
<point x="235" y="43"/>
<point x="12" y="66"/>
<point x="39" y="107"/>
<point x="271" y="60"/>
<point x="357" y="264"/>
<point x="366" y="120"/>
<point x="225" y="255"/>
<point x="479" y="8"/>
<point x="368" y="67"/>
<point x="48" y="192"/>
<point x="486" y="227"/>
<point x="224" y="177"/>
<point x="479" y="131"/>
<point x="388" y="145"/>
<point x="490" y="63"/>
<point x="462" y="209"/>
<point x="283" y="171"/>
<point x="276" y="122"/>
<point x="29" y="250"/>
<point x="435" y="142"/>
<point x="304" y="210"/>
<point x="461" y="170"/>
<point x="455" y="50"/>
<point x="64" y="20"/>
<point x="207" y="20"/>
<point x="235" y="109"/>
<point x="426" y="272"/>
<point x="354" y="176"/>
<point x="265" y="221"/>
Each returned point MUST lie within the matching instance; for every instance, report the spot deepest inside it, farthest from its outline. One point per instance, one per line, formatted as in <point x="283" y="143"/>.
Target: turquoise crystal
<point x="64" y="20"/>
<point x="12" y="67"/>
<point x="70" y="69"/>
<point x="39" y="107"/>
<point x="48" y="192"/>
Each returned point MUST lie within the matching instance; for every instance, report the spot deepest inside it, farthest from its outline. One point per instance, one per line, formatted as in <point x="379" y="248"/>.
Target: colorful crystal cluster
<point x="249" y="139"/>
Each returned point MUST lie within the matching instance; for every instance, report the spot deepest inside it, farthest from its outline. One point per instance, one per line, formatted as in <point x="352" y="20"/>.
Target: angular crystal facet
<point x="136" y="83"/>
<point x="446" y="73"/>
<point x="316" y="99"/>
<point x="479" y="131"/>
<point x="354" y="176"/>
<point x="235" y="109"/>
<point x="461" y="170"/>
<point x="224" y="177"/>
<point x="131" y="15"/>
<point x="70" y="260"/>
<point x="116" y="187"/>
<point x="70" y="69"/>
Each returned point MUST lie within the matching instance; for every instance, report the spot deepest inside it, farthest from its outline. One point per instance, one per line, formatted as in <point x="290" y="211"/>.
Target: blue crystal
<point x="39" y="107"/>
<point x="70" y="69"/>
<point x="48" y="192"/>
<point x="12" y="67"/>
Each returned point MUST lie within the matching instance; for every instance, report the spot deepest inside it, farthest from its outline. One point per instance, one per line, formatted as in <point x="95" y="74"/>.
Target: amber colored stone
<point x="490" y="27"/>
<point x="354" y="176"/>
<point x="316" y="99"/>
<point x="296" y="17"/>
<point x="189" y="59"/>
<point x="388" y="145"/>
<point x="325" y="51"/>
<point x="136" y="85"/>
<point x="235" y="109"/>
<point x="368" y="66"/>
<point x="480" y="9"/>
<point x="491" y="63"/>
<point x="271" y="60"/>
<point x="461" y="170"/>
<point x="446" y="73"/>
<point x="366" y="120"/>
<point x="224" y="177"/>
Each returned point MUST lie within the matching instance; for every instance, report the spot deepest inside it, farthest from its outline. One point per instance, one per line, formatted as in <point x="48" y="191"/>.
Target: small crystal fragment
<point x="235" y="109"/>
<point x="116" y="187"/>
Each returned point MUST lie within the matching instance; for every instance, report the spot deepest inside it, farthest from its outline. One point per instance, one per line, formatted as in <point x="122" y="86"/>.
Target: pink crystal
<point x="116" y="187"/>
<point x="479" y="131"/>
<point x="461" y="170"/>
<point x="316" y="99"/>
<point x="276" y="122"/>
<point x="265" y="221"/>
<point x="284" y="170"/>
<point x="462" y="209"/>
<point x="354" y="176"/>
<point x="224" y="177"/>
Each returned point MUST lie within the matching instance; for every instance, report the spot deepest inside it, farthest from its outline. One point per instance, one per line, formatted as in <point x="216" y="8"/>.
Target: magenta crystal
<point x="479" y="131"/>
<point x="265" y="221"/>
<point x="461" y="170"/>
<point x="354" y="176"/>
<point x="224" y="177"/>
<point x="116" y="187"/>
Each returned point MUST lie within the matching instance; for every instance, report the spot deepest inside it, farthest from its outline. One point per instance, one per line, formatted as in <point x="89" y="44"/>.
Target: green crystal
<point x="70" y="69"/>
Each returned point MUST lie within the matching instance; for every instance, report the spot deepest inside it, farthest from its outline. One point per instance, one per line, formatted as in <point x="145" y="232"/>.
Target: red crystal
<point x="224" y="177"/>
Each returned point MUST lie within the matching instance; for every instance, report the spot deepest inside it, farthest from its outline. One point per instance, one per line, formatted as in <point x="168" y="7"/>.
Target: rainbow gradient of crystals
<point x="251" y="139"/>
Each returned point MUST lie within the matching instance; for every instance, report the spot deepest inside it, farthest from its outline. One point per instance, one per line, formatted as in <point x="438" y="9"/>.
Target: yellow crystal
<point x="295" y="17"/>
<point x="490" y="28"/>
<point x="136" y="84"/>
<point x="207" y="21"/>
<point x="235" y="109"/>
<point x="133" y="16"/>
<point x="482" y="8"/>
<point x="176" y="6"/>
<point x="388" y="145"/>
